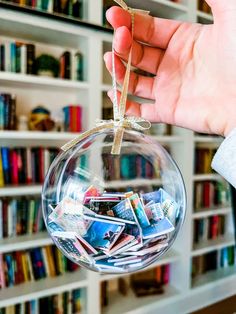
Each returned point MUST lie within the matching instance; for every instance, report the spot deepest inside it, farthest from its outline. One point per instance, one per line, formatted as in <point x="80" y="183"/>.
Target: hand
<point x="194" y="68"/>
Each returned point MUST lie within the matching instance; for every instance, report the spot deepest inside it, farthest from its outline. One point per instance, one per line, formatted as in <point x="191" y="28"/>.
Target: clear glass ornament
<point x="114" y="213"/>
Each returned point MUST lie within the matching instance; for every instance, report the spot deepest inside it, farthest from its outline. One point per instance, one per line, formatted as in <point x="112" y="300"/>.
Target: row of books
<point x="149" y="282"/>
<point x="71" y="8"/>
<point x="208" y="228"/>
<point x="33" y="264"/>
<point x="17" y="57"/>
<point x="19" y="216"/>
<point x="129" y="166"/>
<point x="214" y="260"/>
<point x="203" y="159"/>
<point x="203" y="6"/>
<point x="69" y="302"/>
<point x="21" y="57"/>
<point x="24" y="165"/>
<point x="71" y="66"/>
<point x="211" y="194"/>
<point x="72" y="118"/>
<point x="7" y="111"/>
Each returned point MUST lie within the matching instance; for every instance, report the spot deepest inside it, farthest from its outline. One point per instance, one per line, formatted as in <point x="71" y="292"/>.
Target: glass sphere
<point x="114" y="213"/>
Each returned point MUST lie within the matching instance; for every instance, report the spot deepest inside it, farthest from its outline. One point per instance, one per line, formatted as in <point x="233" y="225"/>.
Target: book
<point x="30" y="58"/>
<point x="161" y="227"/>
<point x="139" y="211"/>
<point x="103" y="234"/>
<point x="1" y="171"/>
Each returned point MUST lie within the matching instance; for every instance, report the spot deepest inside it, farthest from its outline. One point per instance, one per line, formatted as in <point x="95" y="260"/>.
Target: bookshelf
<point x="182" y="295"/>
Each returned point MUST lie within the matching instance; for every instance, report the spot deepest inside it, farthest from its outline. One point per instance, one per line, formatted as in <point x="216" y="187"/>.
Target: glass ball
<point x="114" y="213"/>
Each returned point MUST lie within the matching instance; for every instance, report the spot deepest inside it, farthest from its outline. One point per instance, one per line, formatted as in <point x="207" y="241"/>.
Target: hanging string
<point x="120" y="121"/>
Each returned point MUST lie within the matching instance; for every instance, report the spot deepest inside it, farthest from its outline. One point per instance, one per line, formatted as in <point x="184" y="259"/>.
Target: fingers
<point x="146" y="111"/>
<point x="156" y="32"/>
<point x="139" y="85"/>
<point x="143" y="57"/>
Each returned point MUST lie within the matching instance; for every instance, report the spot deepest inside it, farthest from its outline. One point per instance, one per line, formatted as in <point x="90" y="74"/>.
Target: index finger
<point x="156" y="31"/>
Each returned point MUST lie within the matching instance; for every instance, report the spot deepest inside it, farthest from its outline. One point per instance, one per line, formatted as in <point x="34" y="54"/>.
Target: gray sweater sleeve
<point x="224" y="161"/>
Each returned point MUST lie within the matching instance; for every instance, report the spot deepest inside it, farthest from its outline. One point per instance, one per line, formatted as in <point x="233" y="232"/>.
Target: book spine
<point x="13" y="56"/>
<point x="12" y="115"/>
<point x="1" y="218"/>
<point x="2" y="275"/>
<point x="14" y="167"/>
<point x="6" y="164"/>
<point x="39" y="5"/>
<point x="46" y="161"/>
<point x="13" y="204"/>
<point x="166" y="274"/>
<point x="7" y="65"/>
<point x="79" y="119"/>
<point x="2" y="57"/>
<point x="31" y="206"/>
<point x="80" y="66"/>
<point x="30" y="58"/>
<point x="2" y="105"/>
<point x="67" y="55"/>
<point x="23" y="61"/>
<point x="73" y="66"/>
<point x="62" y="67"/>
<point x="66" y="118"/>
<point x="4" y="218"/>
<point x="41" y="165"/>
<point x="7" y="104"/>
<point x="9" y="221"/>
<point x="1" y="171"/>
<point x="50" y="6"/>
<point x="28" y="166"/>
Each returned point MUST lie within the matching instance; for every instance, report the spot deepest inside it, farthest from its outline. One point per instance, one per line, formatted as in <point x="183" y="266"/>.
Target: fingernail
<point x="105" y="57"/>
<point x="110" y="93"/>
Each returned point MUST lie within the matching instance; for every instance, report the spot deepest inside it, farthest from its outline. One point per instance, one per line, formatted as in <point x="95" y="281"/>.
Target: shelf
<point x="134" y="182"/>
<point x="213" y="245"/>
<point x="170" y="257"/>
<point x="133" y="305"/>
<point x="207" y="177"/>
<point x="168" y="3"/>
<point x="32" y="81"/>
<point x="219" y="276"/>
<point x="106" y="87"/>
<point x="208" y="139"/>
<point x="35" y="138"/>
<point x="24" y="242"/>
<point x="53" y="16"/>
<point x="167" y="138"/>
<point x="212" y="212"/>
<point x="38" y="289"/>
<point x="21" y="190"/>
<point x="205" y="16"/>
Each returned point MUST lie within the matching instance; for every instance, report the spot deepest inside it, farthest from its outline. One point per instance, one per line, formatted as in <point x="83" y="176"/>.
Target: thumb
<point x="223" y="11"/>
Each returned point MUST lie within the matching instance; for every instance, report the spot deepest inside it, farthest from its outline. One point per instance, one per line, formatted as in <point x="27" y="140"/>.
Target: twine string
<point x="120" y="122"/>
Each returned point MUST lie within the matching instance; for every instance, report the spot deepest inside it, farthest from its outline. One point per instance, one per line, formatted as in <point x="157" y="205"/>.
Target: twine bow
<point x="120" y="122"/>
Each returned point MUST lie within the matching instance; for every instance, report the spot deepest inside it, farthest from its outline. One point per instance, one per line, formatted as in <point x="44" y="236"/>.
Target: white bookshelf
<point x="41" y="288"/>
<point x="208" y="213"/>
<point x="20" y="190"/>
<point x="213" y="245"/>
<point x="33" y="81"/>
<point x="24" y="242"/>
<point x="181" y="296"/>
